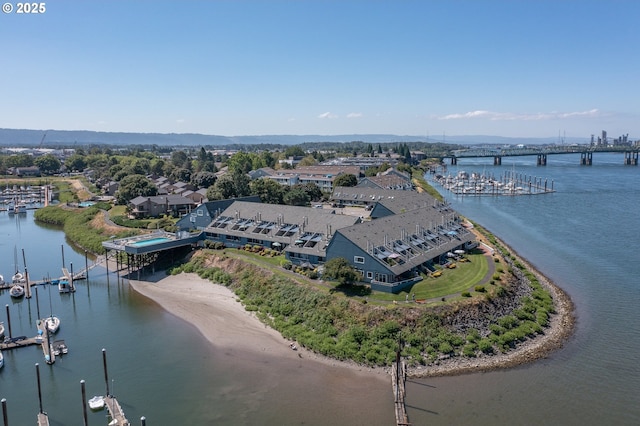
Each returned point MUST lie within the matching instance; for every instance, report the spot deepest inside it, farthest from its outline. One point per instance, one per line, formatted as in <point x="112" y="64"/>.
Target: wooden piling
<point x="398" y="384"/>
<point x="4" y="412"/>
<point x="84" y="403"/>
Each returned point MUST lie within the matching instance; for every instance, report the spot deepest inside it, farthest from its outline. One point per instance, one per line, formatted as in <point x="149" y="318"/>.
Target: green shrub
<point x="480" y="289"/>
<point x="485" y="346"/>
<point x="469" y="350"/>
<point x="465" y="294"/>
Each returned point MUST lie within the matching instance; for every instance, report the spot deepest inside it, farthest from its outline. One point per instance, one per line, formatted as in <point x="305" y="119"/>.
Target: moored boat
<point x="1" y="359"/>
<point x="52" y="324"/>
<point x="96" y="403"/>
<point x="63" y="285"/>
<point x="16" y="291"/>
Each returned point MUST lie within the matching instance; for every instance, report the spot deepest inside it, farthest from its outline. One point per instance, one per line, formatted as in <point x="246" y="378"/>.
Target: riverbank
<point x="220" y="317"/>
<point x="561" y="328"/>
<point x="223" y="321"/>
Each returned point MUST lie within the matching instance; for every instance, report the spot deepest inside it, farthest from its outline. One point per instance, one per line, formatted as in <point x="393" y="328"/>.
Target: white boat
<point x="1" y="331"/>
<point x="63" y="285"/>
<point x="52" y="324"/>
<point x="18" y="278"/>
<point x="2" y="280"/>
<point x="16" y="291"/>
<point x="21" y="208"/>
<point x="1" y="360"/>
<point x="96" y="403"/>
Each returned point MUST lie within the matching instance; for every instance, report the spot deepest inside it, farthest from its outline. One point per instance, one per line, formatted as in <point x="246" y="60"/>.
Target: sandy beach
<point x="222" y="319"/>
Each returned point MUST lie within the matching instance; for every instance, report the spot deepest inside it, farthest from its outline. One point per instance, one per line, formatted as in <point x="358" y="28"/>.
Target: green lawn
<point x="452" y="281"/>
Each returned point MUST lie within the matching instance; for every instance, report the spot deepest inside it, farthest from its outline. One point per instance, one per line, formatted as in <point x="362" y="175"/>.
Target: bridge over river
<point x="586" y="153"/>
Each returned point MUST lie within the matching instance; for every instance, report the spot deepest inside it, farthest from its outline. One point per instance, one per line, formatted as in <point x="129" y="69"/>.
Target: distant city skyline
<point x="425" y="68"/>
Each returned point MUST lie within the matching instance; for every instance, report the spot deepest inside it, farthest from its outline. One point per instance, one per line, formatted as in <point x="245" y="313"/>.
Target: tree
<point x="296" y="196"/>
<point x="179" y="158"/>
<point x="313" y="191"/>
<point x="293" y="151"/>
<point x="309" y="160"/>
<point x="241" y="162"/>
<point x="345" y="180"/>
<point x="269" y="191"/>
<point x="76" y="162"/>
<point x="339" y="269"/>
<point x="229" y="186"/>
<point x="203" y="179"/>
<point x="133" y="186"/>
<point x="47" y="164"/>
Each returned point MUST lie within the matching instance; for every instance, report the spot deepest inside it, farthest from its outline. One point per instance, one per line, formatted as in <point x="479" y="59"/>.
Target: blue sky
<point x="506" y="68"/>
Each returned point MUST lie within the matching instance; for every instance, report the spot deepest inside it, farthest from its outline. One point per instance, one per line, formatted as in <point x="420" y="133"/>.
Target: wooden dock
<point x="115" y="411"/>
<point x="49" y="356"/>
<point x="398" y="374"/>
<point x="43" y="419"/>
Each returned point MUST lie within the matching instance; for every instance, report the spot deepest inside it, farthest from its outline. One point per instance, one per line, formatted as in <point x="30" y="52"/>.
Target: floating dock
<point x="115" y="411"/>
<point x="47" y="349"/>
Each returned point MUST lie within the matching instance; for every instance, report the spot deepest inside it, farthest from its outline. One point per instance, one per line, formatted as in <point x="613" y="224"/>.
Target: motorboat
<point x="96" y="403"/>
<point x="21" y="208"/>
<point x="63" y="285"/>
<point x="52" y="324"/>
<point x="16" y="291"/>
<point x="1" y="360"/>
<point x="2" y="280"/>
<point x="1" y="331"/>
<point x="59" y="347"/>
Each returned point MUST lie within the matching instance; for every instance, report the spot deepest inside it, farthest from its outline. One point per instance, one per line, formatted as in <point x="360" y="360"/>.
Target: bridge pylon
<point x="631" y="158"/>
<point x="454" y="161"/>
<point x="586" y="158"/>
<point x="542" y="160"/>
<point x="497" y="160"/>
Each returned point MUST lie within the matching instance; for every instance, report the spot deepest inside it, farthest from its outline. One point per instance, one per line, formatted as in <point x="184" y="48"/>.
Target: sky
<point x="516" y="68"/>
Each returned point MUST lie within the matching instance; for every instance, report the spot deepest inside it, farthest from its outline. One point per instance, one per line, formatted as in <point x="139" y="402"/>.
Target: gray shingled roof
<point x="397" y="201"/>
<point x="283" y="224"/>
<point x="427" y="232"/>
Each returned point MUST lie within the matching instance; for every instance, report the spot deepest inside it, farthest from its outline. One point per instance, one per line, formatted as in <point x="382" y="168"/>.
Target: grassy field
<point x="464" y="277"/>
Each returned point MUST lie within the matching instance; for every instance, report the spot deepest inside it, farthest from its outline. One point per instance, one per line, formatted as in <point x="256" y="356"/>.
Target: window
<point x="358" y="259"/>
<point x="369" y="274"/>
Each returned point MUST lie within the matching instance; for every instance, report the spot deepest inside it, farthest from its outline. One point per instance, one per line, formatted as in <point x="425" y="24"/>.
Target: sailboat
<point x="18" y="280"/>
<point x="52" y="323"/>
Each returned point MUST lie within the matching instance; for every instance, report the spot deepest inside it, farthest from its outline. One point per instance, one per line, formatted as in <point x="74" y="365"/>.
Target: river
<point x="584" y="237"/>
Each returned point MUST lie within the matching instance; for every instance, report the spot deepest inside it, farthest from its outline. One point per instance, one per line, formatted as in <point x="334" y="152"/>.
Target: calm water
<point x="159" y="366"/>
<point x="584" y="237"/>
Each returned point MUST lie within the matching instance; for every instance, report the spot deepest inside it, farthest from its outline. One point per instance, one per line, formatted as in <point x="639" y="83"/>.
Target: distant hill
<point x="27" y="137"/>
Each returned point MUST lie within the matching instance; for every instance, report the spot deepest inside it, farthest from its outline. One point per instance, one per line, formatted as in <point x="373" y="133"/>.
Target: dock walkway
<point x="115" y="411"/>
<point x="398" y="375"/>
<point x="43" y="419"/>
<point x="49" y="355"/>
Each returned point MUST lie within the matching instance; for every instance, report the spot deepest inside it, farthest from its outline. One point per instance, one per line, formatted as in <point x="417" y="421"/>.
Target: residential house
<point x="174" y="205"/>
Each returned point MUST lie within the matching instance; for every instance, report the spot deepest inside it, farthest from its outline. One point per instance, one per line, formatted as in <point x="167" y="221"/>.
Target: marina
<point x="508" y="183"/>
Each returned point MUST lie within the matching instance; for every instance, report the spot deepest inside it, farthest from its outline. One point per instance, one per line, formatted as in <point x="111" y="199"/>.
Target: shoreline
<point x="221" y="318"/>
<point x="561" y="327"/>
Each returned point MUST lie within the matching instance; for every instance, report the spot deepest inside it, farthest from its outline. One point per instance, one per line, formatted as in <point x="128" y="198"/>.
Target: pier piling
<point x="84" y="404"/>
<point x="8" y="321"/>
<point x="4" y="412"/>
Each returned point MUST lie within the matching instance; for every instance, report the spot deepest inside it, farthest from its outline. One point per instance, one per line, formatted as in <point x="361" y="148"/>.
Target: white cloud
<point x="355" y="115"/>
<point x="180" y="121"/>
<point x="510" y="116"/>
<point x="327" y="115"/>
